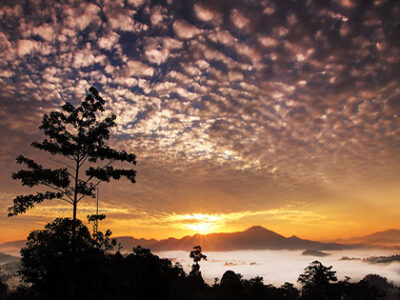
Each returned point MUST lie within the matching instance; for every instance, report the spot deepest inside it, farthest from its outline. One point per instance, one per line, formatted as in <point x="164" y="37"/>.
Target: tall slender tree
<point x="79" y="137"/>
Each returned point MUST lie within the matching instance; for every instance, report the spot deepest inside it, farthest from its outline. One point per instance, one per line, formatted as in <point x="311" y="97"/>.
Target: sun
<point x="198" y="222"/>
<point x="202" y="228"/>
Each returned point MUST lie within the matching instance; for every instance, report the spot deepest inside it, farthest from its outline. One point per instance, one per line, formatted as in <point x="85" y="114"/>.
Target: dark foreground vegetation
<point x="66" y="261"/>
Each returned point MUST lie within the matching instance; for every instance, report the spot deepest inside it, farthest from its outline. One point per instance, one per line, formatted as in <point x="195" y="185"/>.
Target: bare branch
<point x="100" y="181"/>
<point x="80" y="198"/>
<point x="58" y="189"/>
<point x="61" y="162"/>
<point x="70" y="158"/>
<point x="66" y="200"/>
<point x="83" y="160"/>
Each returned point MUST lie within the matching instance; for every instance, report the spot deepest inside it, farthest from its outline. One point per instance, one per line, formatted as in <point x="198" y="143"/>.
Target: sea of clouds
<point x="280" y="266"/>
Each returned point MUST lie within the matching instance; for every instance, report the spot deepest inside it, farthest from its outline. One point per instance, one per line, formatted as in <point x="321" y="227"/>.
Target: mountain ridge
<point x="388" y="237"/>
<point x="253" y="238"/>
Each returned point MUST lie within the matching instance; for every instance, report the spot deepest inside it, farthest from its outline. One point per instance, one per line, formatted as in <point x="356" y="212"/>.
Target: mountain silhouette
<point x="390" y="237"/>
<point x="254" y="238"/>
<point x="13" y="247"/>
<point x="5" y="258"/>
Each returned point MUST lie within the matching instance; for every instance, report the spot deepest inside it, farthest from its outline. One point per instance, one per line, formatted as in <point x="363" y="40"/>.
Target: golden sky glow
<point x="240" y="113"/>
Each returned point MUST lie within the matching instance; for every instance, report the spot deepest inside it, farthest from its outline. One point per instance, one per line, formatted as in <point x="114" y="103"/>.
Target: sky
<point x="283" y="114"/>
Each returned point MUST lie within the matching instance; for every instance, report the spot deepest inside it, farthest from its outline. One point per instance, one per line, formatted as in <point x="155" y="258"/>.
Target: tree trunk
<point x="74" y="214"/>
<point x="76" y="190"/>
<point x="75" y="204"/>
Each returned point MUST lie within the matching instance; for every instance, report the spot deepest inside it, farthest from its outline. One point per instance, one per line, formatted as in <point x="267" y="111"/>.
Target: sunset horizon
<point x="212" y="228"/>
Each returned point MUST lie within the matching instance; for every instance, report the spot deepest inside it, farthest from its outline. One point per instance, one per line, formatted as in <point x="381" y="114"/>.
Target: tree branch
<point x="61" y="162"/>
<point x="66" y="200"/>
<point x="83" y="196"/>
<point x="83" y="160"/>
<point x="57" y="189"/>
<point x="106" y="165"/>
<point x="70" y="158"/>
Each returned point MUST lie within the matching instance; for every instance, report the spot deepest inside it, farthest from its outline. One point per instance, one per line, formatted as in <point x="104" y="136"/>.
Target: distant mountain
<point x="388" y="238"/>
<point x="315" y="253"/>
<point x="254" y="238"/>
<point x="5" y="258"/>
<point x="12" y="248"/>
<point x="128" y="242"/>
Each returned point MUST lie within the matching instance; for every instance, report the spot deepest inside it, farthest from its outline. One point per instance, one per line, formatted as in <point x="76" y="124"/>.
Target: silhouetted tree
<point x="197" y="256"/>
<point x="63" y="255"/>
<point x="99" y="238"/>
<point x="254" y="288"/>
<point x="3" y="288"/>
<point x="78" y="135"/>
<point x="47" y="261"/>
<point x="143" y="275"/>
<point x="374" y="286"/>
<point x="288" y="291"/>
<point x="231" y="286"/>
<point x="316" y="281"/>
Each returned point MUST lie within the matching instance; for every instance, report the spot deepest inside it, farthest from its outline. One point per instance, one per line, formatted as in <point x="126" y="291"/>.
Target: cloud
<point x="157" y="16"/>
<point x="155" y="50"/>
<point x="392" y="105"/>
<point x="136" y="3"/>
<point x="85" y="58"/>
<point x="294" y="100"/>
<point x="45" y="31"/>
<point x="109" y="41"/>
<point x="239" y="20"/>
<point x="82" y="16"/>
<point x="184" y="30"/>
<point x="27" y="47"/>
<point x="139" y="69"/>
<point x="206" y="14"/>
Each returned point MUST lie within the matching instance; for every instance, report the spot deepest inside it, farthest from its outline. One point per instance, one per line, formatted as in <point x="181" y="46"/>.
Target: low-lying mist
<point x="280" y="266"/>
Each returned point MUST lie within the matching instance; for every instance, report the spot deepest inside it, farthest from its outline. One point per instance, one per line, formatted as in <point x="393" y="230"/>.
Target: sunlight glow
<point x="207" y="223"/>
<point x="202" y="228"/>
<point x="200" y="223"/>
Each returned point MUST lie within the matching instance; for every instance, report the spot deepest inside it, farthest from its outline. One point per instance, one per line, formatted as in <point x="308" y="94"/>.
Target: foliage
<point x="57" y="247"/>
<point x="316" y="281"/>
<point x="230" y="286"/>
<point x="288" y="292"/>
<point x="58" y="264"/>
<point x="3" y="287"/>
<point x="47" y="265"/>
<point x="78" y="136"/>
<point x="99" y="238"/>
<point x="197" y="256"/>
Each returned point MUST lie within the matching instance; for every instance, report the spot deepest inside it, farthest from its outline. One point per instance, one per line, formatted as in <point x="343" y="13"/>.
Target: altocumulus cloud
<point x="283" y="97"/>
